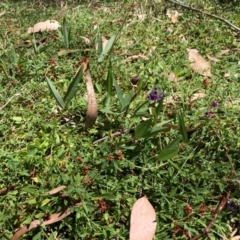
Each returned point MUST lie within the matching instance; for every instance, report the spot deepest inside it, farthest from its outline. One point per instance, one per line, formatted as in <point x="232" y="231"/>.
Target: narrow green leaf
<point x="174" y="143"/>
<point x="55" y="93"/>
<point x="73" y="86"/>
<point x="65" y="33"/>
<point x="125" y="101"/>
<point x="159" y="107"/>
<point x="143" y="128"/>
<point x="100" y="45"/>
<point x="105" y="110"/>
<point x="109" y="82"/>
<point x="45" y="202"/>
<point x="29" y="189"/>
<point x="182" y="126"/>
<point x="119" y="91"/>
<point x="107" y="48"/>
<point x="167" y="153"/>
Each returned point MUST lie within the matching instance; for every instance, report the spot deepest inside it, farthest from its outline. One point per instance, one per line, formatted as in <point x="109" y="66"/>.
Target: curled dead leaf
<point x="223" y="52"/>
<point x="173" y="15"/>
<point x="212" y="58"/>
<point x="198" y="63"/>
<point x="86" y="40"/>
<point x="56" y="190"/>
<point x="143" y="220"/>
<point x="48" y="25"/>
<point x="2" y="13"/>
<point x="172" y="77"/>
<point x="135" y="57"/>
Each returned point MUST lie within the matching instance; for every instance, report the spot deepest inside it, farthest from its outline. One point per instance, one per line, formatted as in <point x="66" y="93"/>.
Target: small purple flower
<point x="208" y="113"/>
<point x="154" y="95"/>
<point x="232" y="206"/>
<point x="214" y="104"/>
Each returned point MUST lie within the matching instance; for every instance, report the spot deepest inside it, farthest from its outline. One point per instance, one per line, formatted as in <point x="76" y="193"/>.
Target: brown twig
<point x="53" y="218"/>
<point x="205" y="13"/>
<point x="220" y="207"/>
<point x="226" y="153"/>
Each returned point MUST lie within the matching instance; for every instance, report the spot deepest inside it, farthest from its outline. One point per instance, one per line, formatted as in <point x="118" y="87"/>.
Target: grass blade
<point x="65" y="33"/>
<point x="55" y="93"/>
<point x="182" y="126"/>
<point x="73" y="86"/>
<point x="107" y="48"/>
<point x="109" y="82"/>
<point x="100" y="45"/>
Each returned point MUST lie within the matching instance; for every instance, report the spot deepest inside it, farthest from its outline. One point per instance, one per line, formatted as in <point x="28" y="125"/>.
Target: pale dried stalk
<point x="91" y="114"/>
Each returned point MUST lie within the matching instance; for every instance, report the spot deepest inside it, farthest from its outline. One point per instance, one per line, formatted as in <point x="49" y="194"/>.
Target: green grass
<point x="42" y="147"/>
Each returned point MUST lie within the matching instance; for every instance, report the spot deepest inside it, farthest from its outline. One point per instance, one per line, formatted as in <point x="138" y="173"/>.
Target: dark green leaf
<point x="73" y="87"/>
<point x="65" y="33"/>
<point x="167" y="153"/>
<point x="143" y="128"/>
<point x="109" y="82"/>
<point x="100" y="45"/>
<point x="55" y="93"/>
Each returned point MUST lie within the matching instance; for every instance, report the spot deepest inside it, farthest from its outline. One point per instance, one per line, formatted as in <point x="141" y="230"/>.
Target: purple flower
<point x="232" y="206"/>
<point x="214" y="104"/>
<point x="208" y="113"/>
<point x="154" y="95"/>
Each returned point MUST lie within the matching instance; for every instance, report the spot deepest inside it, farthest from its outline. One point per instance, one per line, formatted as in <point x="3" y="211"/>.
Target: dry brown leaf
<point x="48" y="25"/>
<point x="86" y="40"/>
<point x="135" y="57"/>
<point x="172" y="77"/>
<point x="171" y="99"/>
<point x="223" y="52"/>
<point x="56" y="190"/>
<point x="212" y="58"/>
<point x="197" y="96"/>
<point x="141" y="16"/>
<point x="2" y="13"/>
<point x="152" y="50"/>
<point x="198" y="63"/>
<point x="226" y="75"/>
<point x="173" y="15"/>
<point x="236" y="237"/>
<point x="143" y="220"/>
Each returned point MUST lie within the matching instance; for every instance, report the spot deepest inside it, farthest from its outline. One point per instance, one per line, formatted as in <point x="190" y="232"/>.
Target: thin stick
<point x="17" y="94"/>
<point x="217" y="212"/>
<point x="205" y="13"/>
<point x="226" y="152"/>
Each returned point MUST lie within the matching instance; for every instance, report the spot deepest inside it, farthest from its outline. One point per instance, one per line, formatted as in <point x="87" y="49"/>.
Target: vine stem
<point x="205" y="13"/>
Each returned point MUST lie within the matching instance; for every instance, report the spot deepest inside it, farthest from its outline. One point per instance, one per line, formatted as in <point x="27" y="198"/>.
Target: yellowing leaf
<point x="143" y="220"/>
<point x="198" y="63"/>
<point x="48" y="25"/>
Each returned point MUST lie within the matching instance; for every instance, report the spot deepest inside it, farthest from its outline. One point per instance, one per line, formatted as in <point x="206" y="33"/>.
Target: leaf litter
<point x="198" y="63"/>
